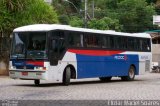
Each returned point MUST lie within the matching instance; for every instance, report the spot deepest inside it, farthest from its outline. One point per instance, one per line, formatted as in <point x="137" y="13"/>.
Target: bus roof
<point x="49" y="27"/>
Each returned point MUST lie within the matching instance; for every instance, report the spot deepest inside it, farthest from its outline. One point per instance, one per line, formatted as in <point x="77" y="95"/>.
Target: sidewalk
<point x="3" y="76"/>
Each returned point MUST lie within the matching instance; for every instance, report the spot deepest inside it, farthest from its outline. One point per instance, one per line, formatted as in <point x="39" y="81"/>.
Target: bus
<point x="61" y="53"/>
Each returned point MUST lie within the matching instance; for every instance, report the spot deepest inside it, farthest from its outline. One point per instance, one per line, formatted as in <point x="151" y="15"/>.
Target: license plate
<point x="24" y="73"/>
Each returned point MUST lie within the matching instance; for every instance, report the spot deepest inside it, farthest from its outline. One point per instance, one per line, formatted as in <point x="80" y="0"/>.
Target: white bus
<point x="61" y="52"/>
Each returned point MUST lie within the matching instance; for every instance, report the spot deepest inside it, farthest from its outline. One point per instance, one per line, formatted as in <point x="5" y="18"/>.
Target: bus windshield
<point x="29" y="45"/>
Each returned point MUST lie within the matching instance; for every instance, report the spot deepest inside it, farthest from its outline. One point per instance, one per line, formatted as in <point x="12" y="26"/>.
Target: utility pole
<point x="85" y="16"/>
<point x="92" y="8"/>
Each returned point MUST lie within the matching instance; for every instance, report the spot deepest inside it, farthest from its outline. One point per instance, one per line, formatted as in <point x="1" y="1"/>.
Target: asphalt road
<point x="145" y="87"/>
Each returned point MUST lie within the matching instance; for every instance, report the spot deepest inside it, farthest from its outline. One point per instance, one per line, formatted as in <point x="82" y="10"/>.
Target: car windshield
<point x="29" y="45"/>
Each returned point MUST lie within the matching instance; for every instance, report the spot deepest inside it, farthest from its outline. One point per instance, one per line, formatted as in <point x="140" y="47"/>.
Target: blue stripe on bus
<point x="103" y="66"/>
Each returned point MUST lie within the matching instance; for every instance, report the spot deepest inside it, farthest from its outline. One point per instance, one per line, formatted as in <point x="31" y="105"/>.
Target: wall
<point x="155" y="52"/>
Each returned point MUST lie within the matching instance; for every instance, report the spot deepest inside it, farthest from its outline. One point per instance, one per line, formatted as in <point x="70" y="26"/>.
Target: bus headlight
<point x="12" y="67"/>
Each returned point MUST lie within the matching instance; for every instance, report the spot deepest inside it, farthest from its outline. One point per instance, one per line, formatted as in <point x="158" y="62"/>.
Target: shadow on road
<point x="76" y="83"/>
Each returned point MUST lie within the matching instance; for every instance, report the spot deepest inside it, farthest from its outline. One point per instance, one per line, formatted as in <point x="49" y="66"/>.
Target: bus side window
<point x="92" y="41"/>
<point x="112" y="44"/>
<point x="131" y="43"/>
<point x="57" y="41"/>
<point x="117" y="42"/>
<point x="124" y="43"/>
<point x="82" y="45"/>
<point x="105" y="42"/>
<point x="75" y="39"/>
<point x="146" y="45"/>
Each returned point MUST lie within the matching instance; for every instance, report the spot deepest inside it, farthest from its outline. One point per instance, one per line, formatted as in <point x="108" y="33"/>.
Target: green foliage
<point x="76" y="22"/>
<point x="15" y="13"/>
<point x="105" y="23"/>
<point x="151" y="1"/>
<point x="135" y="15"/>
<point x="77" y="4"/>
<point x="64" y="19"/>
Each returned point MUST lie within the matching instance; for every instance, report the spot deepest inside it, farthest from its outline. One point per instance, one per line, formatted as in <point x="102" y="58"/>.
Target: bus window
<point x="75" y="39"/>
<point x="37" y="41"/>
<point x="131" y="43"/>
<point x="137" y="44"/>
<point x="112" y="44"/>
<point x="92" y="41"/>
<point x="117" y="43"/>
<point x="19" y="45"/>
<point x="105" y="42"/>
<point x="146" y="45"/>
<point x="58" y="42"/>
<point x="123" y="43"/>
<point x="82" y="40"/>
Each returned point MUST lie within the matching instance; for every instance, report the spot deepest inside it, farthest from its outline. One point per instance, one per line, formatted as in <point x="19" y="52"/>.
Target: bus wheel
<point x="67" y="76"/>
<point x="105" y="78"/>
<point x="131" y="74"/>
<point x="36" y="82"/>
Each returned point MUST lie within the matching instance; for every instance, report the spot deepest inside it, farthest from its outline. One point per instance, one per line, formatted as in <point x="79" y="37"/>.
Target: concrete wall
<point x="155" y="52"/>
<point x="3" y="68"/>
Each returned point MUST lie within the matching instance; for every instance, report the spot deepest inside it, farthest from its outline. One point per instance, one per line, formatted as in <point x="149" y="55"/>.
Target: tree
<point x="76" y="22"/>
<point x="22" y="12"/>
<point x="105" y="23"/>
<point x="66" y="10"/>
<point x="15" y="13"/>
<point x="135" y="15"/>
<point x="151" y="1"/>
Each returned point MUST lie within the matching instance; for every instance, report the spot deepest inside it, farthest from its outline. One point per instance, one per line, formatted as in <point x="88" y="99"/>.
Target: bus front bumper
<point x="28" y="75"/>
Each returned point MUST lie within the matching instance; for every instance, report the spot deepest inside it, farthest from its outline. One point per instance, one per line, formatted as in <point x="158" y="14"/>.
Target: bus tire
<point x="36" y="82"/>
<point x="67" y="76"/>
<point x="104" y="79"/>
<point x="131" y="74"/>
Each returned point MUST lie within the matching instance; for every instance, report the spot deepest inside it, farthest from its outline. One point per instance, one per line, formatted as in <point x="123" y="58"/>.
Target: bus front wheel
<point x="105" y="78"/>
<point x="131" y="74"/>
<point x="36" y="82"/>
<point x="67" y="76"/>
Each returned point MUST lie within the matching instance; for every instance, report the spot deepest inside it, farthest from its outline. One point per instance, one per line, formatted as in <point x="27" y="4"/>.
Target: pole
<point x="85" y="16"/>
<point x="93" y="9"/>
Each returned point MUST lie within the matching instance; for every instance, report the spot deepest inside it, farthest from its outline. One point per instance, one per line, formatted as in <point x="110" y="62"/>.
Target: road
<point x="145" y="87"/>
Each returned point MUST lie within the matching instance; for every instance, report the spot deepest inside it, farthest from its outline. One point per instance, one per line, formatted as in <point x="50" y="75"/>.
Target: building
<point x="155" y="34"/>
